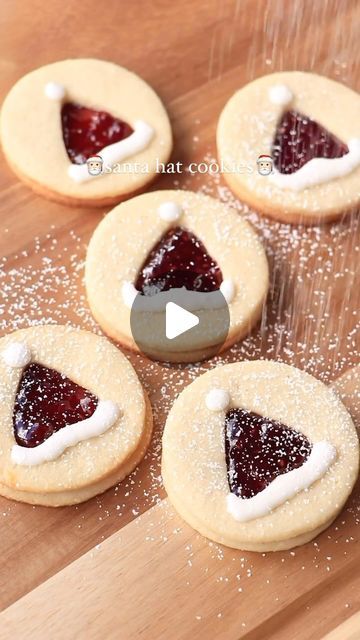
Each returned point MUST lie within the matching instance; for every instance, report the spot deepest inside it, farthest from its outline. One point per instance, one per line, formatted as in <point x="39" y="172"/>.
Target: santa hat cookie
<point x="259" y="456"/>
<point x="59" y="116"/>
<point x="175" y="247"/>
<point x="308" y="126"/>
<point x="74" y="419"/>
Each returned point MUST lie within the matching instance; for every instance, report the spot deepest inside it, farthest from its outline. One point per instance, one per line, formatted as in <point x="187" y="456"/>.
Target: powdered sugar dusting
<point x="311" y="320"/>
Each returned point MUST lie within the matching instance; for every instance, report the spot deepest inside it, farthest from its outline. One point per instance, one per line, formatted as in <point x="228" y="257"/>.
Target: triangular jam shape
<point x="178" y="260"/>
<point x="87" y="131"/>
<point x="258" y="449"/>
<point x="47" y="401"/>
<point x="298" y="139"/>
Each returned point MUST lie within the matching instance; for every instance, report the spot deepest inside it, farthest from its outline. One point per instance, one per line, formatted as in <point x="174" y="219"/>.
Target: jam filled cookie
<point x="74" y="419"/>
<point x="259" y="455"/>
<point x="296" y="137"/>
<point x="167" y="243"/>
<point x="84" y="132"/>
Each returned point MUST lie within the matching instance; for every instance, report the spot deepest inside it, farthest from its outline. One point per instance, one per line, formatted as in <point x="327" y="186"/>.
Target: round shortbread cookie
<point x="74" y="418"/>
<point x="43" y="103"/>
<point x="126" y="237"/>
<point x="259" y="455"/>
<point x="291" y="118"/>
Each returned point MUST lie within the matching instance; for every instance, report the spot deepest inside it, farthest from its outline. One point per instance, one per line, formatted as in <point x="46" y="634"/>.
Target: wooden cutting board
<point x="157" y="578"/>
<point x="147" y="574"/>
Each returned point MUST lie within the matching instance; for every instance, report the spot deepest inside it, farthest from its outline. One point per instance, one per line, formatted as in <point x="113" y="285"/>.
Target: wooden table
<point x="156" y="578"/>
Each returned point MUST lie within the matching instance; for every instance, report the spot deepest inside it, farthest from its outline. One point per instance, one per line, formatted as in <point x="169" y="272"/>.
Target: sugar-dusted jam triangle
<point x="87" y="131"/>
<point x="47" y="401"/>
<point x="299" y="139"/>
<point x="258" y="450"/>
<point x="178" y="260"/>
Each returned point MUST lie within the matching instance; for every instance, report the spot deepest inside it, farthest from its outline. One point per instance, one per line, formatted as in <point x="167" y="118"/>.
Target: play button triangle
<point x="178" y="320"/>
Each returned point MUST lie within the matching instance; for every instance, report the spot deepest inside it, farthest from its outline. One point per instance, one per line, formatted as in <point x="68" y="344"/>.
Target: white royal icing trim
<point x="284" y="487"/>
<point x="227" y="288"/>
<point x="319" y="170"/>
<point x="54" y="91"/>
<point x="217" y="400"/>
<point x="104" y="416"/>
<point x="117" y="152"/>
<point x="129" y="293"/>
<point x="190" y="300"/>
<point x="170" y="211"/>
<point x="16" y="355"/>
<point x="280" y="94"/>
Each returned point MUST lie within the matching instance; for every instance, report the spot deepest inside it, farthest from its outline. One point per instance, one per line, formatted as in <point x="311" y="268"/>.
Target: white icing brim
<point x="191" y="300"/>
<point x="104" y="416"/>
<point x="117" y="152"/>
<point x="129" y="293"/>
<point x="284" y="487"/>
<point x="319" y="170"/>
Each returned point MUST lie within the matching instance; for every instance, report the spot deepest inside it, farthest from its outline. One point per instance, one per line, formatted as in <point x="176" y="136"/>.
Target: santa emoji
<point x="264" y="165"/>
<point x="94" y="165"/>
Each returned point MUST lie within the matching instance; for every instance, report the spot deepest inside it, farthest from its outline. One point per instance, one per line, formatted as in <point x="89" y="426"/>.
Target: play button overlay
<point x="179" y="325"/>
<point x="178" y="320"/>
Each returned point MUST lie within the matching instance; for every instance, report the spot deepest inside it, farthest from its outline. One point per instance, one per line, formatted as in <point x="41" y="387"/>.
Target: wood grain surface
<point x="165" y="580"/>
<point x="157" y="578"/>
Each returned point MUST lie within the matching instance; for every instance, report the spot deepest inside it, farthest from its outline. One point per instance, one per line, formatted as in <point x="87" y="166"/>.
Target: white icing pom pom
<point x="227" y="288"/>
<point x="54" y="91"/>
<point x="217" y="400"/>
<point x="280" y="94"/>
<point x="129" y="293"/>
<point x="17" y="355"/>
<point x="169" y="211"/>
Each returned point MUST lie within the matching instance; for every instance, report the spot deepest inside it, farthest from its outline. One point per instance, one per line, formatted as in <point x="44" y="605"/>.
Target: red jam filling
<point x="47" y="401"/>
<point x="258" y="450"/>
<point x="87" y="131"/>
<point x="299" y="139"/>
<point x="178" y="260"/>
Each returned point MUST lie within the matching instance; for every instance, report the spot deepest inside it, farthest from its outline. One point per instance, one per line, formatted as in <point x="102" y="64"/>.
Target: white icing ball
<point x="16" y="355"/>
<point x="18" y="455"/>
<point x="280" y="94"/>
<point x="54" y="91"/>
<point x="227" y="288"/>
<point x="77" y="172"/>
<point x="169" y="211"/>
<point x="129" y="293"/>
<point x="217" y="400"/>
<point x="354" y="145"/>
